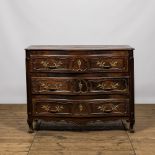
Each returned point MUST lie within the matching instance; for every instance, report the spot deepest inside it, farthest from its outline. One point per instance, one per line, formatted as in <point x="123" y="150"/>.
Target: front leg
<point x="30" y="124"/>
<point x="36" y="124"/>
<point x="131" y="126"/>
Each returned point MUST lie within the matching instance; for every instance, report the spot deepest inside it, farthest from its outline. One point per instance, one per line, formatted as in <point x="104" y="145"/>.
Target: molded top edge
<point x="79" y="47"/>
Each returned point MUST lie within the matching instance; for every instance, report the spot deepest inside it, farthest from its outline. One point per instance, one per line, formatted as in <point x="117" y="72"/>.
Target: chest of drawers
<point x="80" y="84"/>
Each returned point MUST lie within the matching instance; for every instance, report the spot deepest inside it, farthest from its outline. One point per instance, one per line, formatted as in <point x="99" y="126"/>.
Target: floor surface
<point x="14" y="139"/>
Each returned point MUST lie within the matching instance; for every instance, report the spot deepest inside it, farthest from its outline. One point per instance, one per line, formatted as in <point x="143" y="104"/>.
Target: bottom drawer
<point x="80" y="108"/>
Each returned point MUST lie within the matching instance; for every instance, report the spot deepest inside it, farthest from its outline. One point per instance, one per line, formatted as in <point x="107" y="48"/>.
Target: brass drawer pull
<point x="53" y="111"/>
<point x="48" y="67"/>
<point x="52" y="67"/>
<point x="55" y="66"/>
<point x="52" y="89"/>
<point x="108" y="65"/>
<point x="107" y="87"/>
<point x="48" y="108"/>
<point x="104" y="109"/>
<point x="107" y="110"/>
<point x="45" y="86"/>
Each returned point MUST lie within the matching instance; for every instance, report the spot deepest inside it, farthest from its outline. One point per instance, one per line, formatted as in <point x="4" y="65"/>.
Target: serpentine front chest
<point x="80" y="84"/>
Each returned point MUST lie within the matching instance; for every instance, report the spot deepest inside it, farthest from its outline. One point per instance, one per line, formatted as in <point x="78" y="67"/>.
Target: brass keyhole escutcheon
<point x="80" y="107"/>
<point x="79" y="64"/>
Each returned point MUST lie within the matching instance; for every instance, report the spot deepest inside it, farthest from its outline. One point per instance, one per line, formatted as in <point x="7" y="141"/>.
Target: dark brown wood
<point x="80" y="84"/>
<point x="68" y="63"/>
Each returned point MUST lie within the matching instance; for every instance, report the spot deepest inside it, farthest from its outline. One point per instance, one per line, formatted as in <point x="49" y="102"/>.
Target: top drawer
<point x="74" y="64"/>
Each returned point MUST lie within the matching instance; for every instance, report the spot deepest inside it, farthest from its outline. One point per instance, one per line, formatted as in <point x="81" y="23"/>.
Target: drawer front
<point x="75" y="64"/>
<point x="81" y="108"/>
<point x="110" y="108"/>
<point x="50" y="108"/>
<point x="79" y="86"/>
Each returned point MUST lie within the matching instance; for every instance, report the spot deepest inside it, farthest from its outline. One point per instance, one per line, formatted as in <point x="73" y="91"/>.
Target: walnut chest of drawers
<point x="80" y="84"/>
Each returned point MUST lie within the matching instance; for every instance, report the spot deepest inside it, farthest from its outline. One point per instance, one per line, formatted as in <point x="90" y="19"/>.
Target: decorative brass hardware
<point x="114" y="63"/>
<point x="100" y="63"/>
<point x="81" y="86"/>
<point x="45" y="64"/>
<point x="101" y="108"/>
<point x="80" y="107"/>
<point x="79" y="63"/>
<point x="58" y="108"/>
<point x="47" y="108"/>
<point x="104" y="108"/>
<point x="115" y="85"/>
<point x="108" y="65"/>
<point x="57" y="64"/>
<point x="45" y="86"/>
<point x="106" y="86"/>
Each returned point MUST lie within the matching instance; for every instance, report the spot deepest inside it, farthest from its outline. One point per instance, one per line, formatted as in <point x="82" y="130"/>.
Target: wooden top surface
<point x="79" y="47"/>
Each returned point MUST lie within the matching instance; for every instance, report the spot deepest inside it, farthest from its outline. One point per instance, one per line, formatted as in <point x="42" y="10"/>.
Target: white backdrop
<point x="25" y="22"/>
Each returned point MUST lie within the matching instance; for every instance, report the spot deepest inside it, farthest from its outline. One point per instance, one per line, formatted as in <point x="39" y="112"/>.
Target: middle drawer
<point x="80" y="85"/>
